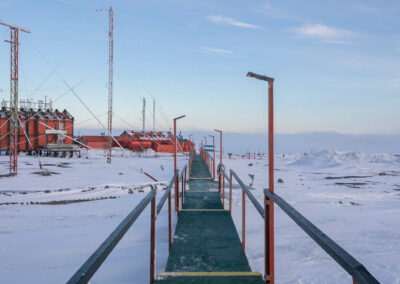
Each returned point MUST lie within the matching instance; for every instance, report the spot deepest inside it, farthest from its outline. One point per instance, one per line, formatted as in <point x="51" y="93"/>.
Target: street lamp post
<point x="213" y="137"/>
<point x="269" y="204"/>
<point x="191" y="143"/>
<point x="175" y="164"/>
<point x="220" y="159"/>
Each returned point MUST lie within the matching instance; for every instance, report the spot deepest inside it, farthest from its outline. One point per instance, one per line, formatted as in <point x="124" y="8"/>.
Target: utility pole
<point x="14" y="47"/>
<point x="144" y="114"/>
<point x="154" y="115"/>
<point x="110" y="79"/>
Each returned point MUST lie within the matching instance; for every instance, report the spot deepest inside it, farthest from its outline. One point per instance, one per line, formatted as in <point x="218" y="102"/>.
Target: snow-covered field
<point x="46" y="234"/>
<point x="353" y="197"/>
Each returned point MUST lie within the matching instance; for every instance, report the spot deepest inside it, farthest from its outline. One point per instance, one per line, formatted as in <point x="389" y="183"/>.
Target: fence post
<point x="177" y="192"/>
<point x="182" y="183"/>
<point x="223" y="191"/>
<point x="184" y="188"/>
<point x="243" y="220"/>
<point x="153" y="240"/>
<point x="230" y="193"/>
<point x="269" y="241"/>
<point x="169" y="221"/>
<point x="219" y="183"/>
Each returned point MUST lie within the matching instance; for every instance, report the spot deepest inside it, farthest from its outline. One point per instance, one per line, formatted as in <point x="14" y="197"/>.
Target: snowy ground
<point x="352" y="197"/>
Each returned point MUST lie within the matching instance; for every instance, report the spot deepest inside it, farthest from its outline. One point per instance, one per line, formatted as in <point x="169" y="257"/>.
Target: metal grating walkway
<point x="206" y="246"/>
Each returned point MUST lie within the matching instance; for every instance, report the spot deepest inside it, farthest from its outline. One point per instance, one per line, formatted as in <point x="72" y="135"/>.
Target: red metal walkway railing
<point x="91" y="265"/>
<point x="352" y="266"/>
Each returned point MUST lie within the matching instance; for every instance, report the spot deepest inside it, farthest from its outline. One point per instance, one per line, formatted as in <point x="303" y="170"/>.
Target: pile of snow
<point x="329" y="159"/>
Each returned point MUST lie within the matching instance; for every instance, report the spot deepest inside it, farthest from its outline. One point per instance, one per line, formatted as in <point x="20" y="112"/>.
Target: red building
<point x="97" y="142"/>
<point x="161" y="142"/>
<point x="39" y="128"/>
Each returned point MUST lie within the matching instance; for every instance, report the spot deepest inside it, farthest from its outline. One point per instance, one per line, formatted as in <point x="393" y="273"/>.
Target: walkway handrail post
<point x="170" y="219"/>
<point x="243" y="220"/>
<point x="223" y="192"/>
<point x="175" y="163"/>
<point x="230" y="193"/>
<point x="220" y="159"/>
<point x="177" y="192"/>
<point x="153" y="217"/>
<point x="92" y="264"/>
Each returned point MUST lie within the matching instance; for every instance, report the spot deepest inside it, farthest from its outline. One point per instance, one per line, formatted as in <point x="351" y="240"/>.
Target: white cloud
<point x="215" y="50"/>
<point x="222" y="20"/>
<point x="325" y="33"/>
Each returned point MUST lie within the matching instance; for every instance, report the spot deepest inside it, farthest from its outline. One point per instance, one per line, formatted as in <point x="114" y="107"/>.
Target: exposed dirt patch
<point x="59" y="202"/>
<point x="390" y="173"/>
<point x="46" y="173"/>
<point x="64" y="165"/>
<point x="351" y="184"/>
<point x="346" y="177"/>
<point x="7" y="175"/>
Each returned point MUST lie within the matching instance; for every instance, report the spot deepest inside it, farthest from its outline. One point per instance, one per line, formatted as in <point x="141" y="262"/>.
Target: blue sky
<point x="336" y="63"/>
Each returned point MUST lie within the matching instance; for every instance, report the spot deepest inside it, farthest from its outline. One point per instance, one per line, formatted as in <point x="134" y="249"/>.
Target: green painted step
<point x="212" y="279"/>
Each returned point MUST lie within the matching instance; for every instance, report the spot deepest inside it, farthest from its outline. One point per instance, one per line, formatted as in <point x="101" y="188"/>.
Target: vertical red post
<point x="175" y="168"/>
<point x="268" y="204"/>
<point x="184" y="187"/>
<point x="169" y="221"/>
<point x="243" y="220"/>
<point x="153" y="240"/>
<point x="182" y="183"/>
<point x="175" y="164"/>
<point x="223" y="191"/>
<point x="269" y="264"/>
<point x="230" y="193"/>
<point x="213" y="157"/>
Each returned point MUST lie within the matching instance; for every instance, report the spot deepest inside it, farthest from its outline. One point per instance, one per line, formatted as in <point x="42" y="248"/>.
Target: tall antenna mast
<point x="110" y="79"/>
<point x="154" y="115"/>
<point x="14" y="47"/>
<point x="144" y="114"/>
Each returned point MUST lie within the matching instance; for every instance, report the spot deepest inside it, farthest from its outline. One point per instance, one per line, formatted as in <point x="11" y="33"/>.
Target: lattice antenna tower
<point x="154" y="115"/>
<point x="110" y="79"/>
<point x="144" y="114"/>
<point x="14" y="50"/>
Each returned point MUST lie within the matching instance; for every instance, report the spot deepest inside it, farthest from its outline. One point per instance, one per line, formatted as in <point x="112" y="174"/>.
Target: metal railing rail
<point x="352" y="266"/>
<point x="168" y="194"/>
<point x="91" y="265"/>
<point x="183" y="179"/>
<point x="208" y="159"/>
<point x="87" y="270"/>
<point x="343" y="258"/>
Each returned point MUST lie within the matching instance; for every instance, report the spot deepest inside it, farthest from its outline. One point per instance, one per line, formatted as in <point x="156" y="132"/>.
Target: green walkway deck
<point x="206" y="246"/>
